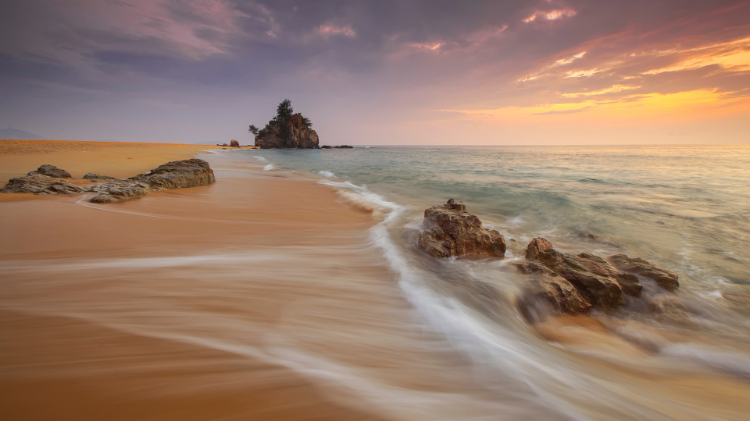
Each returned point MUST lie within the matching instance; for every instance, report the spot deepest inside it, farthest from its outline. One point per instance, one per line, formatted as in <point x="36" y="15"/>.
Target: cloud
<point x="550" y="15"/>
<point x="329" y="30"/>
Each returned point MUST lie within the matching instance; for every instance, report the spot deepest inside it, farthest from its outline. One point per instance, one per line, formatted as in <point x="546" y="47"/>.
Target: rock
<point x="596" y="279"/>
<point x="96" y="177"/>
<point x="326" y="147"/>
<point x="536" y="246"/>
<point x="550" y="288"/>
<point x="234" y="144"/>
<point x="172" y="175"/>
<point x="117" y="192"/>
<point x="51" y="171"/>
<point x="177" y="175"/>
<point x="40" y="184"/>
<point x="451" y="231"/>
<point x="665" y="278"/>
<point x="293" y="133"/>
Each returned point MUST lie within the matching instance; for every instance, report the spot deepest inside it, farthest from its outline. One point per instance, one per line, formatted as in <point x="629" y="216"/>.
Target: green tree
<point x="284" y="111"/>
<point x="254" y="130"/>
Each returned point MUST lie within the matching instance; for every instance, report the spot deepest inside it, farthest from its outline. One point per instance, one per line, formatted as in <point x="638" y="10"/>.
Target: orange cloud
<point x="633" y="110"/>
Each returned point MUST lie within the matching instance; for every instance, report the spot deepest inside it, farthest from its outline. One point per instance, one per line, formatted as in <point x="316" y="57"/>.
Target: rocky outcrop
<point x="451" y="231"/>
<point x="603" y="283"/>
<point x="177" y="175"/>
<point x="337" y="147"/>
<point x="293" y="133"/>
<point x="665" y="278"/>
<point x="234" y="144"/>
<point x="51" y="171"/>
<point x="40" y="184"/>
<point x="172" y="175"/>
<point x="96" y="177"/>
<point x="553" y="290"/>
<point x="594" y="277"/>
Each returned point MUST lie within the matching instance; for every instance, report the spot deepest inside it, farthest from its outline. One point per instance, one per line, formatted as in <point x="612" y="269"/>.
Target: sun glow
<point x="645" y="109"/>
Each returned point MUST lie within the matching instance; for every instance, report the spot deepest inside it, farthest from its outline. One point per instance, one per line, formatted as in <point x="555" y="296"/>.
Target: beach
<point x="288" y="291"/>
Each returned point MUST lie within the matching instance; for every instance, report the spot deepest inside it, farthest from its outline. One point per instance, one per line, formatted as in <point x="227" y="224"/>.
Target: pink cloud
<point x="329" y="30"/>
<point x="551" y="15"/>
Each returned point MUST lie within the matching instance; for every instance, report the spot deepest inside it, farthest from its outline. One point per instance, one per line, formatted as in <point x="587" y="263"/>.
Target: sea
<point x="685" y="208"/>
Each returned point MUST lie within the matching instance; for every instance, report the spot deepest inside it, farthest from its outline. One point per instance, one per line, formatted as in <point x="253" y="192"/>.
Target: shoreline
<point x="50" y="294"/>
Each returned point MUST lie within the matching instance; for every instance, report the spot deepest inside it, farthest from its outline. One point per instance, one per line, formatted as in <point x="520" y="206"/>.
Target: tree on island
<point x="286" y="130"/>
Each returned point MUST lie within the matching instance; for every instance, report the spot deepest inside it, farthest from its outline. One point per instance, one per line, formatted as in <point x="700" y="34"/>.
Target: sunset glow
<point x="186" y="72"/>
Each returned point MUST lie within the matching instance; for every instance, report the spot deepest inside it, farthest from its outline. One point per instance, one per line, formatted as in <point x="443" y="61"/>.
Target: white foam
<point x="327" y="174"/>
<point x="719" y="359"/>
<point x="260" y="158"/>
<point x="268" y="167"/>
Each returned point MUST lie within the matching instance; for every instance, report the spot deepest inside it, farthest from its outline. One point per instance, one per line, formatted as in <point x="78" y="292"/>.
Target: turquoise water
<point x="685" y="207"/>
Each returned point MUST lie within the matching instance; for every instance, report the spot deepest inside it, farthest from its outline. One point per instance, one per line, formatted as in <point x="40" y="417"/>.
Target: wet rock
<point x="51" y="171"/>
<point x="536" y="246"/>
<point x="602" y="284"/>
<point x="117" y="192"/>
<point x="40" y="184"/>
<point x="451" y="231"/>
<point x="665" y="278"/>
<point x="96" y="177"/>
<point x="545" y="286"/>
<point x="177" y="175"/>
<point x="234" y="144"/>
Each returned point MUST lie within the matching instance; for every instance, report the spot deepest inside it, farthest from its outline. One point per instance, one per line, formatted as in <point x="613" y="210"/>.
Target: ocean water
<point x="686" y="208"/>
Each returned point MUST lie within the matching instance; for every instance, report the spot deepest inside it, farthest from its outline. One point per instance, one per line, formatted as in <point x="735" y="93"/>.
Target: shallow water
<point x="260" y="297"/>
<point x="685" y="208"/>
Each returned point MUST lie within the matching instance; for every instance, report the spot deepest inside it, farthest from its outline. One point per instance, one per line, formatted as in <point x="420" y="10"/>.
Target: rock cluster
<point x="563" y="282"/>
<point x="451" y="231"/>
<point x="234" y="144"/>
<point x="337" y="147"/>
<point x="172" y="175"/>
<point x="293" y="133"/>
<point x="601" y="283"/>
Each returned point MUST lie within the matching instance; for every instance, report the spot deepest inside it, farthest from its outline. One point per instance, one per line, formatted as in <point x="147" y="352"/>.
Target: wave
<point x="260" y="158"/>
<point x="268" y="167"/>
<point x="327" y="174"/>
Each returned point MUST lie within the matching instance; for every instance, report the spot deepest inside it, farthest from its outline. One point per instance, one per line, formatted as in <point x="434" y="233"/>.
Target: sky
<point x="380" y="72"/>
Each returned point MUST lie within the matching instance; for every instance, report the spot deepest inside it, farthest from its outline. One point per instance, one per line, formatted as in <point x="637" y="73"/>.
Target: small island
<point x="286" y="130"/>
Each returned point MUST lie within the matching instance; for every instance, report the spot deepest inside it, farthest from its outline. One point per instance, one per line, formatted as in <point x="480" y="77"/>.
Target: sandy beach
<point x="263" y="297"/>
<point x="63" y="359"/>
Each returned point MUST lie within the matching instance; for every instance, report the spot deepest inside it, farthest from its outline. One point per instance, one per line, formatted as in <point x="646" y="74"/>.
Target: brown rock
<point x="665" y="278"/>
<point x="536" y="246"/>
<point x="51" y="171"/>
<point x="553" y="290"/>
<point x="118" y="192"/>
<point x="234" y="144"/>
<point x="177" y="175"/>
<point x="602" y="284"/>
<point x="451" y="231"/>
